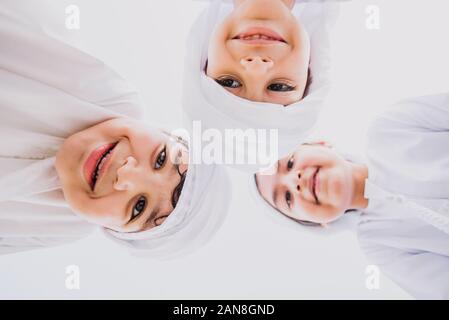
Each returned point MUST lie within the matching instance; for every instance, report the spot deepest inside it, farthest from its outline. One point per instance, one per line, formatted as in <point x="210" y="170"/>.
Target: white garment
<point x="215" y="107"/>
<point x="48" y="91"/>
<point x="405" y="229"/>
<point x="198" y="215"/>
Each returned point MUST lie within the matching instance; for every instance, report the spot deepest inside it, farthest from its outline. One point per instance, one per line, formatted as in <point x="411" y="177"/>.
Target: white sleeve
<point x="32" y="54"/>
<point x="408" y="147"/>
<point x="421" y="113"/>
<point x="46" y="226"/>
<point x="424" y="275"/>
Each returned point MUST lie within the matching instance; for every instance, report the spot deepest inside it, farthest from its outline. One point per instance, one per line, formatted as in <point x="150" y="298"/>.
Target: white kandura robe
<point x="405" y="229"/>
<point x="48" y="91"/>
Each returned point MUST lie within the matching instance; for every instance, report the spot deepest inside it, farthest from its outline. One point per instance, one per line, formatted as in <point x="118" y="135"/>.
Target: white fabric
<point x="200" y="211"/>
<point x="49" y="90"/>
<point x="405" y="229"/>
<point x="205" y="100"/>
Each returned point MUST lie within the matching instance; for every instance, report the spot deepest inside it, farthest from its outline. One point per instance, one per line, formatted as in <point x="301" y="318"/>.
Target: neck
<point x="359" y="174"/>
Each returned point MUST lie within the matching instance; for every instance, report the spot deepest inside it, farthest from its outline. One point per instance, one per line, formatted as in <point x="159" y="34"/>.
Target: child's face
<point x="137" y="184"/>
<point x="261" y="52"/>
<point x="313" y="184"/>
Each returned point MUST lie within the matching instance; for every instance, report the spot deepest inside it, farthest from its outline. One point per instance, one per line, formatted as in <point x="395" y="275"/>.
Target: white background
<point x="250" y="257"/>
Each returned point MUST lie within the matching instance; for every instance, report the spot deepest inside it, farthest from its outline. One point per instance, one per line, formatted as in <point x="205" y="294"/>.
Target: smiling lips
<point x="314" y="185"/>
<point x="96" y="164"/>
<point x="259" y="36"/>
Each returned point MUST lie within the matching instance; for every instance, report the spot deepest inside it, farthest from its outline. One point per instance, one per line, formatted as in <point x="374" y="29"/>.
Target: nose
<point x="298" y="187"/>
<point x="256" y="64"/>
<point x="126" y="175"/>
<point x="292" y="180"/>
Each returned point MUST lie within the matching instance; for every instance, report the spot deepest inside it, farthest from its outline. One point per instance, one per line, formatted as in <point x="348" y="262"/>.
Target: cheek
<point x="215" y="59"/>
<point x="218" y="51"/>
<point x="68" y="157"/>
<point x="103" y="212"/>
<point x="339" y="189"/>
<point x="318" y="213"/>
<point x="297" y="66"/>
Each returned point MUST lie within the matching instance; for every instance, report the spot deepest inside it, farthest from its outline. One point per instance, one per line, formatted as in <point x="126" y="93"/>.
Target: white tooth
<point x="100" y="165"/>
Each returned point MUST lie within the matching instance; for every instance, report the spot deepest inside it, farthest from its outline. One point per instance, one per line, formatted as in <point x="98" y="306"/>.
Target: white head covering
<point x="199" y="213"/>
<point x="51" y="90"/>
<point x="205" y="100"/>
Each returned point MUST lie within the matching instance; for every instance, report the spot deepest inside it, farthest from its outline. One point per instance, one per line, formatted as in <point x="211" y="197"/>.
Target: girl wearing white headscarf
<point x="398" y="201"/>
<point x="281" y="50"/>
<point x="74" y="154"/>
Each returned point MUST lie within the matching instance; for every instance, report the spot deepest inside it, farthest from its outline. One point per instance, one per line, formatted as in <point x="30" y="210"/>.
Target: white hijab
<point x="199" y="213"/>
<point x="205" y="100"/>
<point x="51" y="90"/>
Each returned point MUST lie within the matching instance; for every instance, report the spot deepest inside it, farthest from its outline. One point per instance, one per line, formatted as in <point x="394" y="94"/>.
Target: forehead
<point x="266" y="186"/>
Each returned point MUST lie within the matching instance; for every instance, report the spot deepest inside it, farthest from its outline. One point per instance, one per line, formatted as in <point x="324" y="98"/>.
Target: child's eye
<point x="280" y="87"/>
<point x="228" y="83"/>
<point x="290" y="163"/>
<point x="139" y="207"/>
<point x="288" y="198"/>
<point x="161" y="157"/>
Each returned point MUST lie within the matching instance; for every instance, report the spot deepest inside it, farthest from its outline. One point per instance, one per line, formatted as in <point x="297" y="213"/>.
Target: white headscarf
<point x="50" y="90"/>
<point x="205" y="100"/>
<point x="199" y="213"/>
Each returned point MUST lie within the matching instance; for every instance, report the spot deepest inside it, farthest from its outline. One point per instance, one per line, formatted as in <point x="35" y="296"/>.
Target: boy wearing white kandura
<point x="397" y="200"/>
